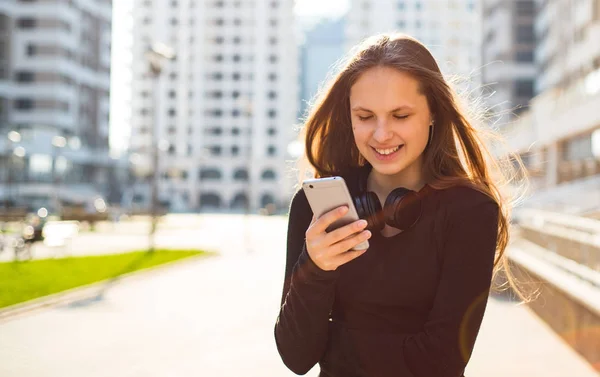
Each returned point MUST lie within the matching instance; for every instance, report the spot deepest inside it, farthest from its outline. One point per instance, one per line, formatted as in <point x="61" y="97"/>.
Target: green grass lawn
<point x="23" y="281"/>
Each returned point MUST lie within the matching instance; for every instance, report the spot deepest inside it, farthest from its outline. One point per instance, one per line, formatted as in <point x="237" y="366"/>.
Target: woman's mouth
<point x="388" y="153"/>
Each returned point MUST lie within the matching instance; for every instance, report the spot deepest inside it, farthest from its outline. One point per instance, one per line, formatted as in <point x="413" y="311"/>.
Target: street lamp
<point x="157" y="55"/>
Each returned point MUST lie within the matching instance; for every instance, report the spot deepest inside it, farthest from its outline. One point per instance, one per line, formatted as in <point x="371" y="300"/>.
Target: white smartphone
<point x="325" y="194"/>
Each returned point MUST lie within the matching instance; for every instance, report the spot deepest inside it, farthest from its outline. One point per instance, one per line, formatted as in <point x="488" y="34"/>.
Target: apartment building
<point x="54" y="100"/>
<point x="224" y="108"/>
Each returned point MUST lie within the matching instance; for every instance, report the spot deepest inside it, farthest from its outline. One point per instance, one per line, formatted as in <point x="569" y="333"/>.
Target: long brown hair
<point x="457" y="154"/>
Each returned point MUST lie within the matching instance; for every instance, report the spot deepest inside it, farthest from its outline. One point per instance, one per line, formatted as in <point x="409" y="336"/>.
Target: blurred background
<point x="139" y="133"/>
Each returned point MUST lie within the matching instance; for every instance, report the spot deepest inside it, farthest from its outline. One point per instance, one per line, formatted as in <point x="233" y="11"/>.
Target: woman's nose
<point x="382" y="132"/>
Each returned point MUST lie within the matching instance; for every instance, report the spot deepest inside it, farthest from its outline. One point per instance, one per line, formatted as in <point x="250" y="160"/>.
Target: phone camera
<point x="311" y="186"/>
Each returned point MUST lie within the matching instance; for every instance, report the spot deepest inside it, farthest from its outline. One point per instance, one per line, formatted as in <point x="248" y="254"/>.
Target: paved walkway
<point x="215" y="317"/>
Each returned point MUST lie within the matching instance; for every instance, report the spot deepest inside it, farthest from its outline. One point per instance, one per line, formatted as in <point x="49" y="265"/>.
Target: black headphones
<point x="402" y="208"/>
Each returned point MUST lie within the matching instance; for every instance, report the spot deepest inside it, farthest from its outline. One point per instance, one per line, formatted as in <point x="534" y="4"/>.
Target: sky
<point x="306" y="11"/>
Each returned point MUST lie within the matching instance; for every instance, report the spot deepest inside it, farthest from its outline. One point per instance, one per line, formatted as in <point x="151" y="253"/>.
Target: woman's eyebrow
<point x="404" y="107"/>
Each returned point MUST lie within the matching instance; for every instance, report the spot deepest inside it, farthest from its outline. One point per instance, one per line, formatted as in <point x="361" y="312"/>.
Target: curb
<point x="90" y="290"/>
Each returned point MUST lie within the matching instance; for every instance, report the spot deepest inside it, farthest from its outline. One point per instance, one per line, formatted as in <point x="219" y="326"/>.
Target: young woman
<point x="410" y="305"/>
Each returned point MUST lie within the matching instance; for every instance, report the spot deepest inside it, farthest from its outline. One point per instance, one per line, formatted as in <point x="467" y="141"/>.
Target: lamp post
<point x="156" y="55"/>
<point x="13" y="137"/>
<point x="58" y="143"/>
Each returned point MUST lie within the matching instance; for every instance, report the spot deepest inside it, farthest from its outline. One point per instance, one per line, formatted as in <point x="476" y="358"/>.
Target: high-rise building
<point x="224" y="108"/>
<point x="322" y="47"/>
<point x="508" y="72"/>
<point x="449" y="28"/>
<point x="559" y="138"/>
<point x="54" y="99"/>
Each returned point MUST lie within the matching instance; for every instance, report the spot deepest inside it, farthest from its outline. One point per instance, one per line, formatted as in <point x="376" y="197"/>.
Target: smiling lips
<point x="387" y="153"/>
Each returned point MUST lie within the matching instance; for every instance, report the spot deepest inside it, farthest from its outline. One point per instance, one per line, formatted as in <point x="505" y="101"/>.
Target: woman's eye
<point x="370" y="116"/>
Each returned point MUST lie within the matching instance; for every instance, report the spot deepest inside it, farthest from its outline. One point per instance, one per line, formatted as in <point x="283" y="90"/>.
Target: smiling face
<point x="390" y="120"/>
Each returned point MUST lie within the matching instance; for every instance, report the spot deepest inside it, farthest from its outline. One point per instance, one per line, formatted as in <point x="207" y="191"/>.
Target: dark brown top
<point x="411" y="306"/>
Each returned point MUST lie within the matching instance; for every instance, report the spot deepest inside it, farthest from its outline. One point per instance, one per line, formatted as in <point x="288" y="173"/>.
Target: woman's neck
<point x="412" y="179"/>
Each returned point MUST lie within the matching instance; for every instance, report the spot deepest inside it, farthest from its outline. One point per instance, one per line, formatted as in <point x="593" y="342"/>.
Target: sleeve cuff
<point x="309" y="271"/>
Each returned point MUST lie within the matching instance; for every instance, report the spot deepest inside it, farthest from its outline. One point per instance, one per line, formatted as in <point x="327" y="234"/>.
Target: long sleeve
<point x="301" y="330"/>
<point x="445" y="345"/>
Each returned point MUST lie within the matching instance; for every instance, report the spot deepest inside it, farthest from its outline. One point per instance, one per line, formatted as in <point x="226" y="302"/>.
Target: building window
<point x="237" y="58"/>
<point x="235" y="131"/>
<point x="215" y="150"/>
<point x="26" y="23"/>
<point x="240" y="175"/>
<point x="235" y="150"/>
<point x="272" y="76"/>
<point x="31" y="50"/>
<point x="525" y="7"/>
<point x="524" y="56"/>
<point x="172" y="112"/>
<point x="272" y="113"/>
<point x="267" y="200"/>
<point x="236" y="76"/>
<point x="214" y="131"/>
<point x="235" y="94"/>
<point x="25" y="76"/>
<point x="271" y="131"/>
<point x="525" y="34"/>
<point x="210" y="201"/>
<point x="268" y="175"/>
<point x="239" y="201"/>
<point x="210" y="174"/>
<point x="272" y="95"/>
<point x="524" y="88"/>
<point x="24" y="104"/>
<point x="235" y="113"/>
<point x="271" y="150"/>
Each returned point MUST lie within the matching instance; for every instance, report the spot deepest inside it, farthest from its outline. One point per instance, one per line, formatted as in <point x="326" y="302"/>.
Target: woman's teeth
<point x="387" y="151"/>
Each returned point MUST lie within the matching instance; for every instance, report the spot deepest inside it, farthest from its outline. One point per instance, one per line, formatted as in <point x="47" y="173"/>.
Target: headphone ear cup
<point x="402" y="208"/>
<point x="368" y="208"/>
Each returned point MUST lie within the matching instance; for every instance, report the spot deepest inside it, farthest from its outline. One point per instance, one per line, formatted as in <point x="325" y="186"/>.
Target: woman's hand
<point x="331" y="250"/>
